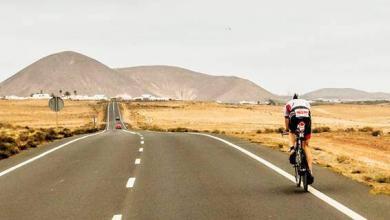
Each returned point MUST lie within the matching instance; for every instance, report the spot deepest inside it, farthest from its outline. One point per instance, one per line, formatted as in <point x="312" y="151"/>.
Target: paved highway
<point x="118" y="174"/>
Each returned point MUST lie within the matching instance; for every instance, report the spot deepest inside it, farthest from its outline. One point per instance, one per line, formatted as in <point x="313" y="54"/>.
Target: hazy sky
<point x="284" y="46"/>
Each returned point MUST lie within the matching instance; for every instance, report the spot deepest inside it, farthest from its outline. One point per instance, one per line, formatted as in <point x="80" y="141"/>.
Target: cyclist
<point x="291" y="122"/>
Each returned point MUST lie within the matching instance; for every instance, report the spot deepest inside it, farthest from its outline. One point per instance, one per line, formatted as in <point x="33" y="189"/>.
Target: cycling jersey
<point x="298" y="110"/>
<point x="296" y="107"/>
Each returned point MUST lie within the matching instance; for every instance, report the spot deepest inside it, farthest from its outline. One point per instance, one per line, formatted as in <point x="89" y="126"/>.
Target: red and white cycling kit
<point x="298" y="110"/>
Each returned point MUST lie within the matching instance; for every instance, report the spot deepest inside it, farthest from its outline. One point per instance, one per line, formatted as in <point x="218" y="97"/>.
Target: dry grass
<point x="36" y="113"/>
<point x="28" y="124"/>
<point x="349" y="139"/>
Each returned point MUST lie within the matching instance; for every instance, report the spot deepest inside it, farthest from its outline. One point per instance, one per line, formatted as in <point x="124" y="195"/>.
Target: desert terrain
<point x="29" y="123"/>
<point x="353" y="140"/>
<point x="36" y="113"/>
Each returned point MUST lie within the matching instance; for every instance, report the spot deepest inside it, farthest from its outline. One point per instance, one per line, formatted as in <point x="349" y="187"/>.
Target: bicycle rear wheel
<point x="297" y="176"/>
<point x="305" y="185"/>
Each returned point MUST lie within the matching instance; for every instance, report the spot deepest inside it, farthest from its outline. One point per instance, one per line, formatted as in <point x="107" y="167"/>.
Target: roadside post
<point x="56" y="104"/>
<point x="94" y="120"/>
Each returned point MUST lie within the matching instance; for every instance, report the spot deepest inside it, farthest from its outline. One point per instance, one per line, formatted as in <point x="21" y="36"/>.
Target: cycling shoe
<point x="310" y="179"/>
<point x="292" y="158"/>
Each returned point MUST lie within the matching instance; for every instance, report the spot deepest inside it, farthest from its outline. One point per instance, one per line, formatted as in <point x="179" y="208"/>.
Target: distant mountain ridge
<point x="345" y="94"/>
<point x="190" y="85"/>
<point x="71" y="71"/>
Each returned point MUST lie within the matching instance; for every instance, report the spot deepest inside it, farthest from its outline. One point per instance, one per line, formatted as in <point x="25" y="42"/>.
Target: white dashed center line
<point x="130" y="182"/>
<point x="137" y="161"/>
<point x="142" y="142"/>
<point x="141" y="149"/>
<point x="117" y="217"/>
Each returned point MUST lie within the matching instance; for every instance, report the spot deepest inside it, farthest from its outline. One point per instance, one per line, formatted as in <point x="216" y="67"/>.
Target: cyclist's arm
<point x="286" y="112"/>
<point x="286" y="123"/>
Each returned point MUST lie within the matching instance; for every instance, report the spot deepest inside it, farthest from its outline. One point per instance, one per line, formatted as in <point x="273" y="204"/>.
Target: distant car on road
<point x="117" y="118"/>
<point x="118" y="126"/>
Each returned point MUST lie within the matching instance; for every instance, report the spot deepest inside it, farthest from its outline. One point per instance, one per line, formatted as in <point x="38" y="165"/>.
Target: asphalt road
<point x="121" y="174"/>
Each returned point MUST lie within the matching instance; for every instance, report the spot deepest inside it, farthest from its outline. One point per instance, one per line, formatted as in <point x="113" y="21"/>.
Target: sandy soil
<point x="36" y="113"/>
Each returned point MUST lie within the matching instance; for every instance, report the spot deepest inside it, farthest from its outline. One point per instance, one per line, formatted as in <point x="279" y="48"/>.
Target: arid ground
<point x="29" y="123"/>
<point x="36" y="113"/>
<point x="353" y="140"/>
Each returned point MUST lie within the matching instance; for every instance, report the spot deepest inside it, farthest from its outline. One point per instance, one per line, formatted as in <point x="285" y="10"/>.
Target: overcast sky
<point x="284" y="46"/>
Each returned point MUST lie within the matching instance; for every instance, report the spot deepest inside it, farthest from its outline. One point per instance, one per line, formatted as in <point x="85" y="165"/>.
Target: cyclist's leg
<point x="306" y="143"/>
<point x="292" y="139"/>
<point x="308" y="154"/>
<point x="292" y="152"/>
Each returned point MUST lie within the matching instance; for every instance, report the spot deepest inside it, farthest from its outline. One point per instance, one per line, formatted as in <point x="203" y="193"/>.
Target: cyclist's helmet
<point x="295" y="96"/>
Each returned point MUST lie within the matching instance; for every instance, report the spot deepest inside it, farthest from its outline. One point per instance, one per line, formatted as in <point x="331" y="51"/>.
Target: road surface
<point x="119" y="174"/>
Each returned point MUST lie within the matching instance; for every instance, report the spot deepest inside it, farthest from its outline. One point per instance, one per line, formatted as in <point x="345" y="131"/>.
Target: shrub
<point x="14" y="150"/>
<point x="66" y="132"/>
<point x="216" y="132"/>
<point x="259" y="132"/>
<point x="366" y="129"/>
<point x="279" y="130"/>
<point x="7" y="139"/>
<point x="4" y="154"/>
<point x="317" y="148"/>
<point x="152" y="128"/>
<point x="382" y="179"/>
<point x="377" y="133"/>
<point x="321" y="130"/>
<point x="39" y="137"/>
<point x="267" y="131"/>
<point x="51" y="135"/>
<point x="356" y="172"/>
<point x="178" y="129"/>
<point x="343" y="159"/>
<point x="31" y="144"/>
<point x="23" y="136"/>
<point x="367" y="178"/>
<point x="350" y="130"/>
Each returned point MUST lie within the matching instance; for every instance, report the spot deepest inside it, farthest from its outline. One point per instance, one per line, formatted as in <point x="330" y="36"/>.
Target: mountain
<point x="175" y="82"/>
<point x="71" y="71"/>
<point x="345" y="94"/>
<point x="67" y="71"/>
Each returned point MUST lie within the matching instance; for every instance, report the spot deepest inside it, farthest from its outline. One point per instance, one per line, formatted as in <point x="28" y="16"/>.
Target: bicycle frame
<point x="301" y="163"/>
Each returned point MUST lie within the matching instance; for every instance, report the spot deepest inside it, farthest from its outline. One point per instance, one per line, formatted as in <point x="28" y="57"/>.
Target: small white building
<point x="147" y="97"/>
<point x="14" y="97"/>
<point x="124" y="97"/>
<point x="248" y="103"/>
<point x="86" y="97"/>
<point x="40" y="96"/>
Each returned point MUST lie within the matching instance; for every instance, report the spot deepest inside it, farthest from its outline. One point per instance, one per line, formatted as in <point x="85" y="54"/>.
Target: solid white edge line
<point x="108" y="117"/>
<point x="117" y="217"/>
<point x="342" y="208"/>
<point x="137" y="161"/>
<point x="141" y="149"/>
<point x="45" y="153"/>
<point x="113" y="110"/>
<point x="130" y="182"/>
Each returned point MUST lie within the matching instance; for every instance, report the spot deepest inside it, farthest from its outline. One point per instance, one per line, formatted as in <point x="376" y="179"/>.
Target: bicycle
<point x="301" y="167"/>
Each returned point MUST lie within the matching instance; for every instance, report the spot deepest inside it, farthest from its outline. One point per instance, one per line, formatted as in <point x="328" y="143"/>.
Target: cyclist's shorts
<point x="294" y="121"/>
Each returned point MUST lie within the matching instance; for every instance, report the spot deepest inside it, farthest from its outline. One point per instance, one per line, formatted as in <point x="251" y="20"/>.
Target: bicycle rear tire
<point x="305" y="185"/>
<point x="297" y="177"/>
